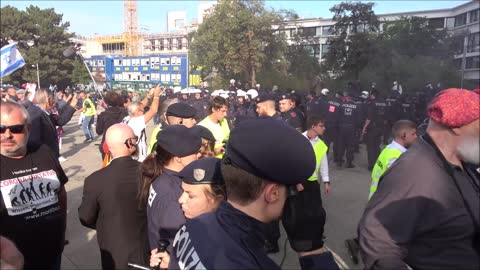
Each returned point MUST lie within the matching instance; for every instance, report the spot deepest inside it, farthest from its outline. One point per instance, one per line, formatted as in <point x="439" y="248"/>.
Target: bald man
<point x="109" y="198"/>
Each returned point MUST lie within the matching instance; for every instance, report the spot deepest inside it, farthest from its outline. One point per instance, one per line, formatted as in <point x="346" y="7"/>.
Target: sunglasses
<point x="15" y="129"/>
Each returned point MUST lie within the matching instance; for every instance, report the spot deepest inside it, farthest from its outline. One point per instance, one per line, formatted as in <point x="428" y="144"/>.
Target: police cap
<point x="287" y="96"/>
<point x="264" y="97"/>
<point x="202" y="171"/>
<point x="179" y="140"/>
<point x="181" y="110"/>
<point x="203" y="132"/>
<point x="272" y="150"/>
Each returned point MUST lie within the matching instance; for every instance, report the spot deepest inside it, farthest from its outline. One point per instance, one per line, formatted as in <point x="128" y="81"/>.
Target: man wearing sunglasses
<point x="32" y="193"/>
<point x="109" y="198"/>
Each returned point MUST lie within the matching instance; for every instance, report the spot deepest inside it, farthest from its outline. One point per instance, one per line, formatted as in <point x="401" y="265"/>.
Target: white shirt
<point x="397" y="146"/>
<point x="138" y="125"/>
<point x="323" y="163"/>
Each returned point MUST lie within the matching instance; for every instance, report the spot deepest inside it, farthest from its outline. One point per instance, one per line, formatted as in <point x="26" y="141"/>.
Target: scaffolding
<point x="131" y="35"/>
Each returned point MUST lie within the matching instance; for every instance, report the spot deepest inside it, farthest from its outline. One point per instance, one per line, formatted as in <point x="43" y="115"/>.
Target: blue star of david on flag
<point x="10" y="59"/>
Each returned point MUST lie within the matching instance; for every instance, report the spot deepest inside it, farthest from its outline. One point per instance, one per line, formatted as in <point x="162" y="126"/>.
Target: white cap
<point x="252" y="93"/>
<point x="257" y="85"/>
<point x="241" y="93"/>
<point x="225" y="96"/>
<point x="232" y="81"/>
<point x="325" y="91"/>
<point x="365" y="93"/>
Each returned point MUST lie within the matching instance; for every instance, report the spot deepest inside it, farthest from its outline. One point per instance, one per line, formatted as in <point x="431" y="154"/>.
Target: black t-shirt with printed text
<point x="30" y="213"/>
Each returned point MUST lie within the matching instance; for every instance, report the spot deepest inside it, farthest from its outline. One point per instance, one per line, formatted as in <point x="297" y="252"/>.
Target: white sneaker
<point x="62" y="159"/>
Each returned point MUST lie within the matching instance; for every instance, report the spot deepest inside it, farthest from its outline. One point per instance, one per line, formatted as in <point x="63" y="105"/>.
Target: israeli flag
<point x="11" y="59"/>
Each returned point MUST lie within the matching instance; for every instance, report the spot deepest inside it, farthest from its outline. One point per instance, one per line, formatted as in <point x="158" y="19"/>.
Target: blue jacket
<point x="164" y="214"/>
<point x="230" y="239"/>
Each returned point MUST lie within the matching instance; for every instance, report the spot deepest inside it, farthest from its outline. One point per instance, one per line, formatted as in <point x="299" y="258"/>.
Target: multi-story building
<point x="462" y="20"/>
<point x="164" y="56"/>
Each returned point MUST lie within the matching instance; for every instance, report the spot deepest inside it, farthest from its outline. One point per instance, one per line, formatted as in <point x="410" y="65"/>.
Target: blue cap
<point x="202" y="171"/>
<point x="265" y="96"/>
<point x="203" y="132"/>
<point x="179" y="140"/>
<point x="181" y="110"/>
<point x="272" y="150"/>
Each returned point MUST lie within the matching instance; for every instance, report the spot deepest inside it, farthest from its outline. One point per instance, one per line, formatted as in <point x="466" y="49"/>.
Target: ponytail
<point x="151" y="168"/>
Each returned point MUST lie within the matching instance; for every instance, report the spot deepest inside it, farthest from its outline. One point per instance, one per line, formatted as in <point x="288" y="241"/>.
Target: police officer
<point x="349" y="119"/>
<point x="176" y="147"/>
<point x="266" y="106"/>
<point x="230" y="238"/>
<point x="176" y="114"/>
<point x="200" y="104"/>
<point x="391" y="115"/>
<point x="290" y="115"/>
<point x="373" y="127"/>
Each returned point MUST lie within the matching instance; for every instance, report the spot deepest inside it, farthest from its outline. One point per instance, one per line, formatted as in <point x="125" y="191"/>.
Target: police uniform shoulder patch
<point x="198" y="174"/>
<point x="293" y="114"/>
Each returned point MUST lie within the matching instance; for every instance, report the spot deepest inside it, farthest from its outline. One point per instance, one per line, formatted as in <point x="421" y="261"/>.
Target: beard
<point x="469" y="149"/>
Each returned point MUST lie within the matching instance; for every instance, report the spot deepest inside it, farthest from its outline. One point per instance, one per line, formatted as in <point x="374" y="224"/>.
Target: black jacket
<point x="110" y="206"/>
<point x="108" y="118"/>
<point x="425" y="213"/>
<point x="43" y="126"/>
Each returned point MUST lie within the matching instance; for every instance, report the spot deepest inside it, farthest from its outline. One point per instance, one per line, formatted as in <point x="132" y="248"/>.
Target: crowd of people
<point x="220" y="171"/>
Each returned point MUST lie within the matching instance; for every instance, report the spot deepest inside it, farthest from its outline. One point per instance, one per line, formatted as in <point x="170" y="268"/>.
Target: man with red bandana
<point x="425" y="213"/>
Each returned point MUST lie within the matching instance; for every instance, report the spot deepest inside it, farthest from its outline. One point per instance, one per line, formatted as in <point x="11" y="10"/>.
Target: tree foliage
<point x="408" y="50"/>
<point x="41" y="35"/>
<point x="237" y="40"/>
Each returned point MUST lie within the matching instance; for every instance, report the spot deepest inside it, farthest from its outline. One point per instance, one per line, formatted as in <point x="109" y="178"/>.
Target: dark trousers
<point x="309" y="203"/>
<point x="330" y="136"/>
<point x="387" y="131"/>
<point x="346" y="143"/>
<point x="373" y="137"/>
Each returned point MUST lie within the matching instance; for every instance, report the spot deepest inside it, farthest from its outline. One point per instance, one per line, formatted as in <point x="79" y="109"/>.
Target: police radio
<point x="162" y="247"/>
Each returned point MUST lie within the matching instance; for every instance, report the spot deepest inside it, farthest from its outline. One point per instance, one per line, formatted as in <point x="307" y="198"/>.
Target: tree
<point x="80" y="74"/>
<point x="354" y="44"/>
<point x="237" y="40"/>
<point x="41" y="36"/>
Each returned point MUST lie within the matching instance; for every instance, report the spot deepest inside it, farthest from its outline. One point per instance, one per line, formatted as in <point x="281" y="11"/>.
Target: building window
<point x="436" y="22"/>
<point x="169" y="43"/>
<point x="473" y="42"/>
<point x="473" y="62"/>
<point x="325" y="49"/>
<point x="460" y="19"/>
<point x="308" y="31"/>
<point x="179" y="43"/>
<point x="474" y="14"/>
<point x="327" y="30"/>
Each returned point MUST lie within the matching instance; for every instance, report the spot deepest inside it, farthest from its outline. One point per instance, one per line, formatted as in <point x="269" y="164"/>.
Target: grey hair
<point x="133" y="107"/>
<point x="10" y="106"/>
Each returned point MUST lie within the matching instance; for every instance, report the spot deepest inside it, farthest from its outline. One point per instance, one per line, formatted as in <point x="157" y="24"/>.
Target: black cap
<point x="203" y="132"/>
<point x="286" y="96"/>
<point x="202" y="171"/>
<point x="265" y="96"/>
<point x="272" y="150"/>
<point x="179" y="140"/>
<point x="181" y="110"/>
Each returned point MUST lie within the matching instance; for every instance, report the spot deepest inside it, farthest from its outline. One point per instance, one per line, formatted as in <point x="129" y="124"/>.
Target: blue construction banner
<point x="11" y="59"/>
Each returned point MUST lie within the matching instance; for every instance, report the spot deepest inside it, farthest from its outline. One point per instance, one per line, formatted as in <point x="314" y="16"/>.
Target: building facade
<point x="164" y="56"/>
<point x="462" y="21"/>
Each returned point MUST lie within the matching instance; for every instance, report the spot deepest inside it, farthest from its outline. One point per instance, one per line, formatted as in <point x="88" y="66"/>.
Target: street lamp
<point x="38" y="76"/>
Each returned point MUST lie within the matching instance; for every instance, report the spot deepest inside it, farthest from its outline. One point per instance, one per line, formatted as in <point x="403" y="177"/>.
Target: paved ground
<point x="344" y="205"/>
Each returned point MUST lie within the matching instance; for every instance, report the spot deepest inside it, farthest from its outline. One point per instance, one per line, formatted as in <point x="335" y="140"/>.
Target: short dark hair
<point x="113" y="99"/>
<point x="217" y="103"/>
<point x="402" y="125"/>
<point x="314" y="120"/>
<point x="242" y="186"/>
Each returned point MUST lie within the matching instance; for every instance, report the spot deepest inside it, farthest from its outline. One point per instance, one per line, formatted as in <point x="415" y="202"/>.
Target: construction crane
<point x="130" y="25"/>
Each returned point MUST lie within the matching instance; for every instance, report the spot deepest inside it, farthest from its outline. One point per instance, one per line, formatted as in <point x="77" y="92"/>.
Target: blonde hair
<point x="207" y="148"/>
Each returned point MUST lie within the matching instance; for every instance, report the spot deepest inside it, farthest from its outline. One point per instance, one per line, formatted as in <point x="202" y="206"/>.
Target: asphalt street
<point x="344" y="205"/>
